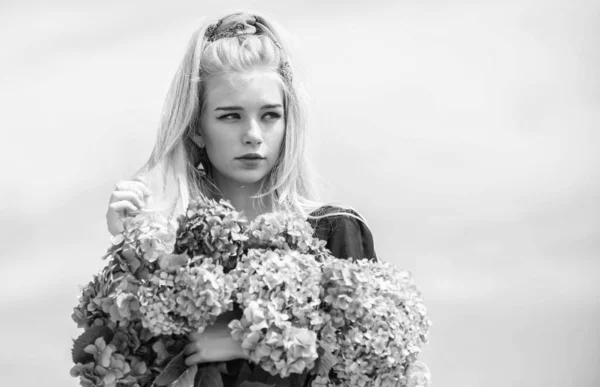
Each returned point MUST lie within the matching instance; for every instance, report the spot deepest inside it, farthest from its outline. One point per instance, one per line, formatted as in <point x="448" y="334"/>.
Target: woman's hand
<point x="128" y="198"/>
<point x="215" y="344"/>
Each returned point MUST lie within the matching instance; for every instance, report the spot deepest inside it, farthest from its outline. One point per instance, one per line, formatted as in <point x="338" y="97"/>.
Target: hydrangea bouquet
<point x="376" y="325"/>
<point x="299" y="310"/>
<point x="162" y="282"/>
<point x="278" y="282"/>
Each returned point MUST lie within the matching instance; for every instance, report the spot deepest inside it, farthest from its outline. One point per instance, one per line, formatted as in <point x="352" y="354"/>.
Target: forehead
<point x="252" y="88"/>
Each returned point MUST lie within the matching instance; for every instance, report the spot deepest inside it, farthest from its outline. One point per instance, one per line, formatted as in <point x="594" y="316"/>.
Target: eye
<point x="272" y="116"/>
<point x="229" y="117"/>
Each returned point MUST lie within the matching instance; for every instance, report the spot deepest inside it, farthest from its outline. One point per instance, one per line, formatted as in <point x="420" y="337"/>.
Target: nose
<point x="253" y="134"/>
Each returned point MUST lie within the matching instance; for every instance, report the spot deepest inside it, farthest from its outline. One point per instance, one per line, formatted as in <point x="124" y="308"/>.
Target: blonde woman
<point x="233" y="127"/>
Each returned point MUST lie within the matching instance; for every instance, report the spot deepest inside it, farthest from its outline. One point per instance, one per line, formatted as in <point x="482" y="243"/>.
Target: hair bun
<point x="233" y="25"/>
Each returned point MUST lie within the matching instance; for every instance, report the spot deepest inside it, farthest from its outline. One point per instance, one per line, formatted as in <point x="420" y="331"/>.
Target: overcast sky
<point x="467" y="134"/>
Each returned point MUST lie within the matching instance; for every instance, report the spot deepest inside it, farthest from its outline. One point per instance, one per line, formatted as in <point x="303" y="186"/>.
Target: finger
<point x="115" y="229"/>
<point x="194" y="336"/>
<point x="114" y="222"/>
<point x="129" y="187"/>
<point x="142" y="179"/>
<point x="129" y="196"/>
<point x="137" y="187"/>
<point x="196" y="358"/>
<point x="143" y="186"/>
<point x="140" y="189"/>
<point x="122" y="186"/>
<point x="189" y="349"/>
<point x="123" y="207"/>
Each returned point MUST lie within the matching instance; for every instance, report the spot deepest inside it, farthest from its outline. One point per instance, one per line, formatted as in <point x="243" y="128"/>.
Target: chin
<point x="250" y="177"/>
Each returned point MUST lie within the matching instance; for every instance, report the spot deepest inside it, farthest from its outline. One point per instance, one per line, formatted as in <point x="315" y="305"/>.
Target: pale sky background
<point x="467" y="133"/>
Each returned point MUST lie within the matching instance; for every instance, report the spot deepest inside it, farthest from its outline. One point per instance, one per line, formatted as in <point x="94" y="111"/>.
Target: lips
<point x="251" y="156"/>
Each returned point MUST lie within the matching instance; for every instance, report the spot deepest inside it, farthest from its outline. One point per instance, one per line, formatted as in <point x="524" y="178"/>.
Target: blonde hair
<point x="172" y="166"/>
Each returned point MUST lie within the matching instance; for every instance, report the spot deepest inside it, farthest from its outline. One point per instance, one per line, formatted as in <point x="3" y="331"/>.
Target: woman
<point x="233" y="127"/>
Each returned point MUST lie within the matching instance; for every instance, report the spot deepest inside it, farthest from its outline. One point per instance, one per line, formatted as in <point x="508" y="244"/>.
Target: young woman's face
<point x="242" y="126"/>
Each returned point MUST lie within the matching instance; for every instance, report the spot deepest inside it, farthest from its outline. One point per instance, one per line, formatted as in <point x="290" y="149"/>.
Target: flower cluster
<point x="417" y="375"/>
<point x="91" y="299"/>
<point x="214" y="229"/>
<point x="109" y="368"/>
<point x="110" y="295"/>
<point x="377" y="324"/>
<point x="352" y="323"/>
<point x="145" y="238"/>
<point x="286" y="231"/>
<point x="136" y="311"/>
<point x="279" y="292"/>
<point x="185" y="299"/>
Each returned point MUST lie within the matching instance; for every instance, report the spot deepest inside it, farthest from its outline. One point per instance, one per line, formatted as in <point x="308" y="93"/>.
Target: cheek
<point x="215" y="139"/>
<point x="214" y="147"/>
<point x="217" y="149"/>
<point x="278" y="136"/>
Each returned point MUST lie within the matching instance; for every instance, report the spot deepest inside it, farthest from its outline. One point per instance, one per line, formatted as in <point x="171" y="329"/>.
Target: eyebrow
<point x="232" y="108"/>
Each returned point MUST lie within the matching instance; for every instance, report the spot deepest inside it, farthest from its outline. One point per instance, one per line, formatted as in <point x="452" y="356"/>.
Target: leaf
<point x="134" y="264"/>
<point x="324" y="363"/>
<point x="208" y="376"/>
<point x="172" y="371"/>
<point x="239" y="370"/>
<point x="187" y="378"/>
<point x="295" y="380"/>
<point x="86" y="338"/>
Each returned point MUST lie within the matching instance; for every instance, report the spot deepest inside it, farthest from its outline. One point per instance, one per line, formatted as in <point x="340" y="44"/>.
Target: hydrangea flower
<point x="418" y="375"/>
<point x="111" y="294"/>
<point x="90" y="300"/>
<point x="135" y="310"/>
<point x="377" y="323"/>
<point x="212" y="229"/>
<point x="286" y="231"/>
<point x="145" y="239"/>
<point x="148" y="234"/>
<point x="364" y="321"/>
<point x="109" y="367"/>
<point x="186" y="299"/>
<point x="205" y="292"/>
<point x="157" y="299"/>
<point x="279" y="293"/>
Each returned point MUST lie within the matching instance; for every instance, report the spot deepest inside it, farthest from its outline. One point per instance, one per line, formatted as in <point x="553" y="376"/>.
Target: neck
<point x="240" y="197"/>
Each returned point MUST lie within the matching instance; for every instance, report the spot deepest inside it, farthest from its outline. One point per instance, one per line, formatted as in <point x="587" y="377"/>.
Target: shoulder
<point x="330" y="212"/>
<point x="345" y="231"/>
<point x="329" y="219"/>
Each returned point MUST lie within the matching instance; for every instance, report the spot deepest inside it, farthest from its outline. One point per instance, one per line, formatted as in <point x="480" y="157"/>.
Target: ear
<point x="197" y="139"/>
